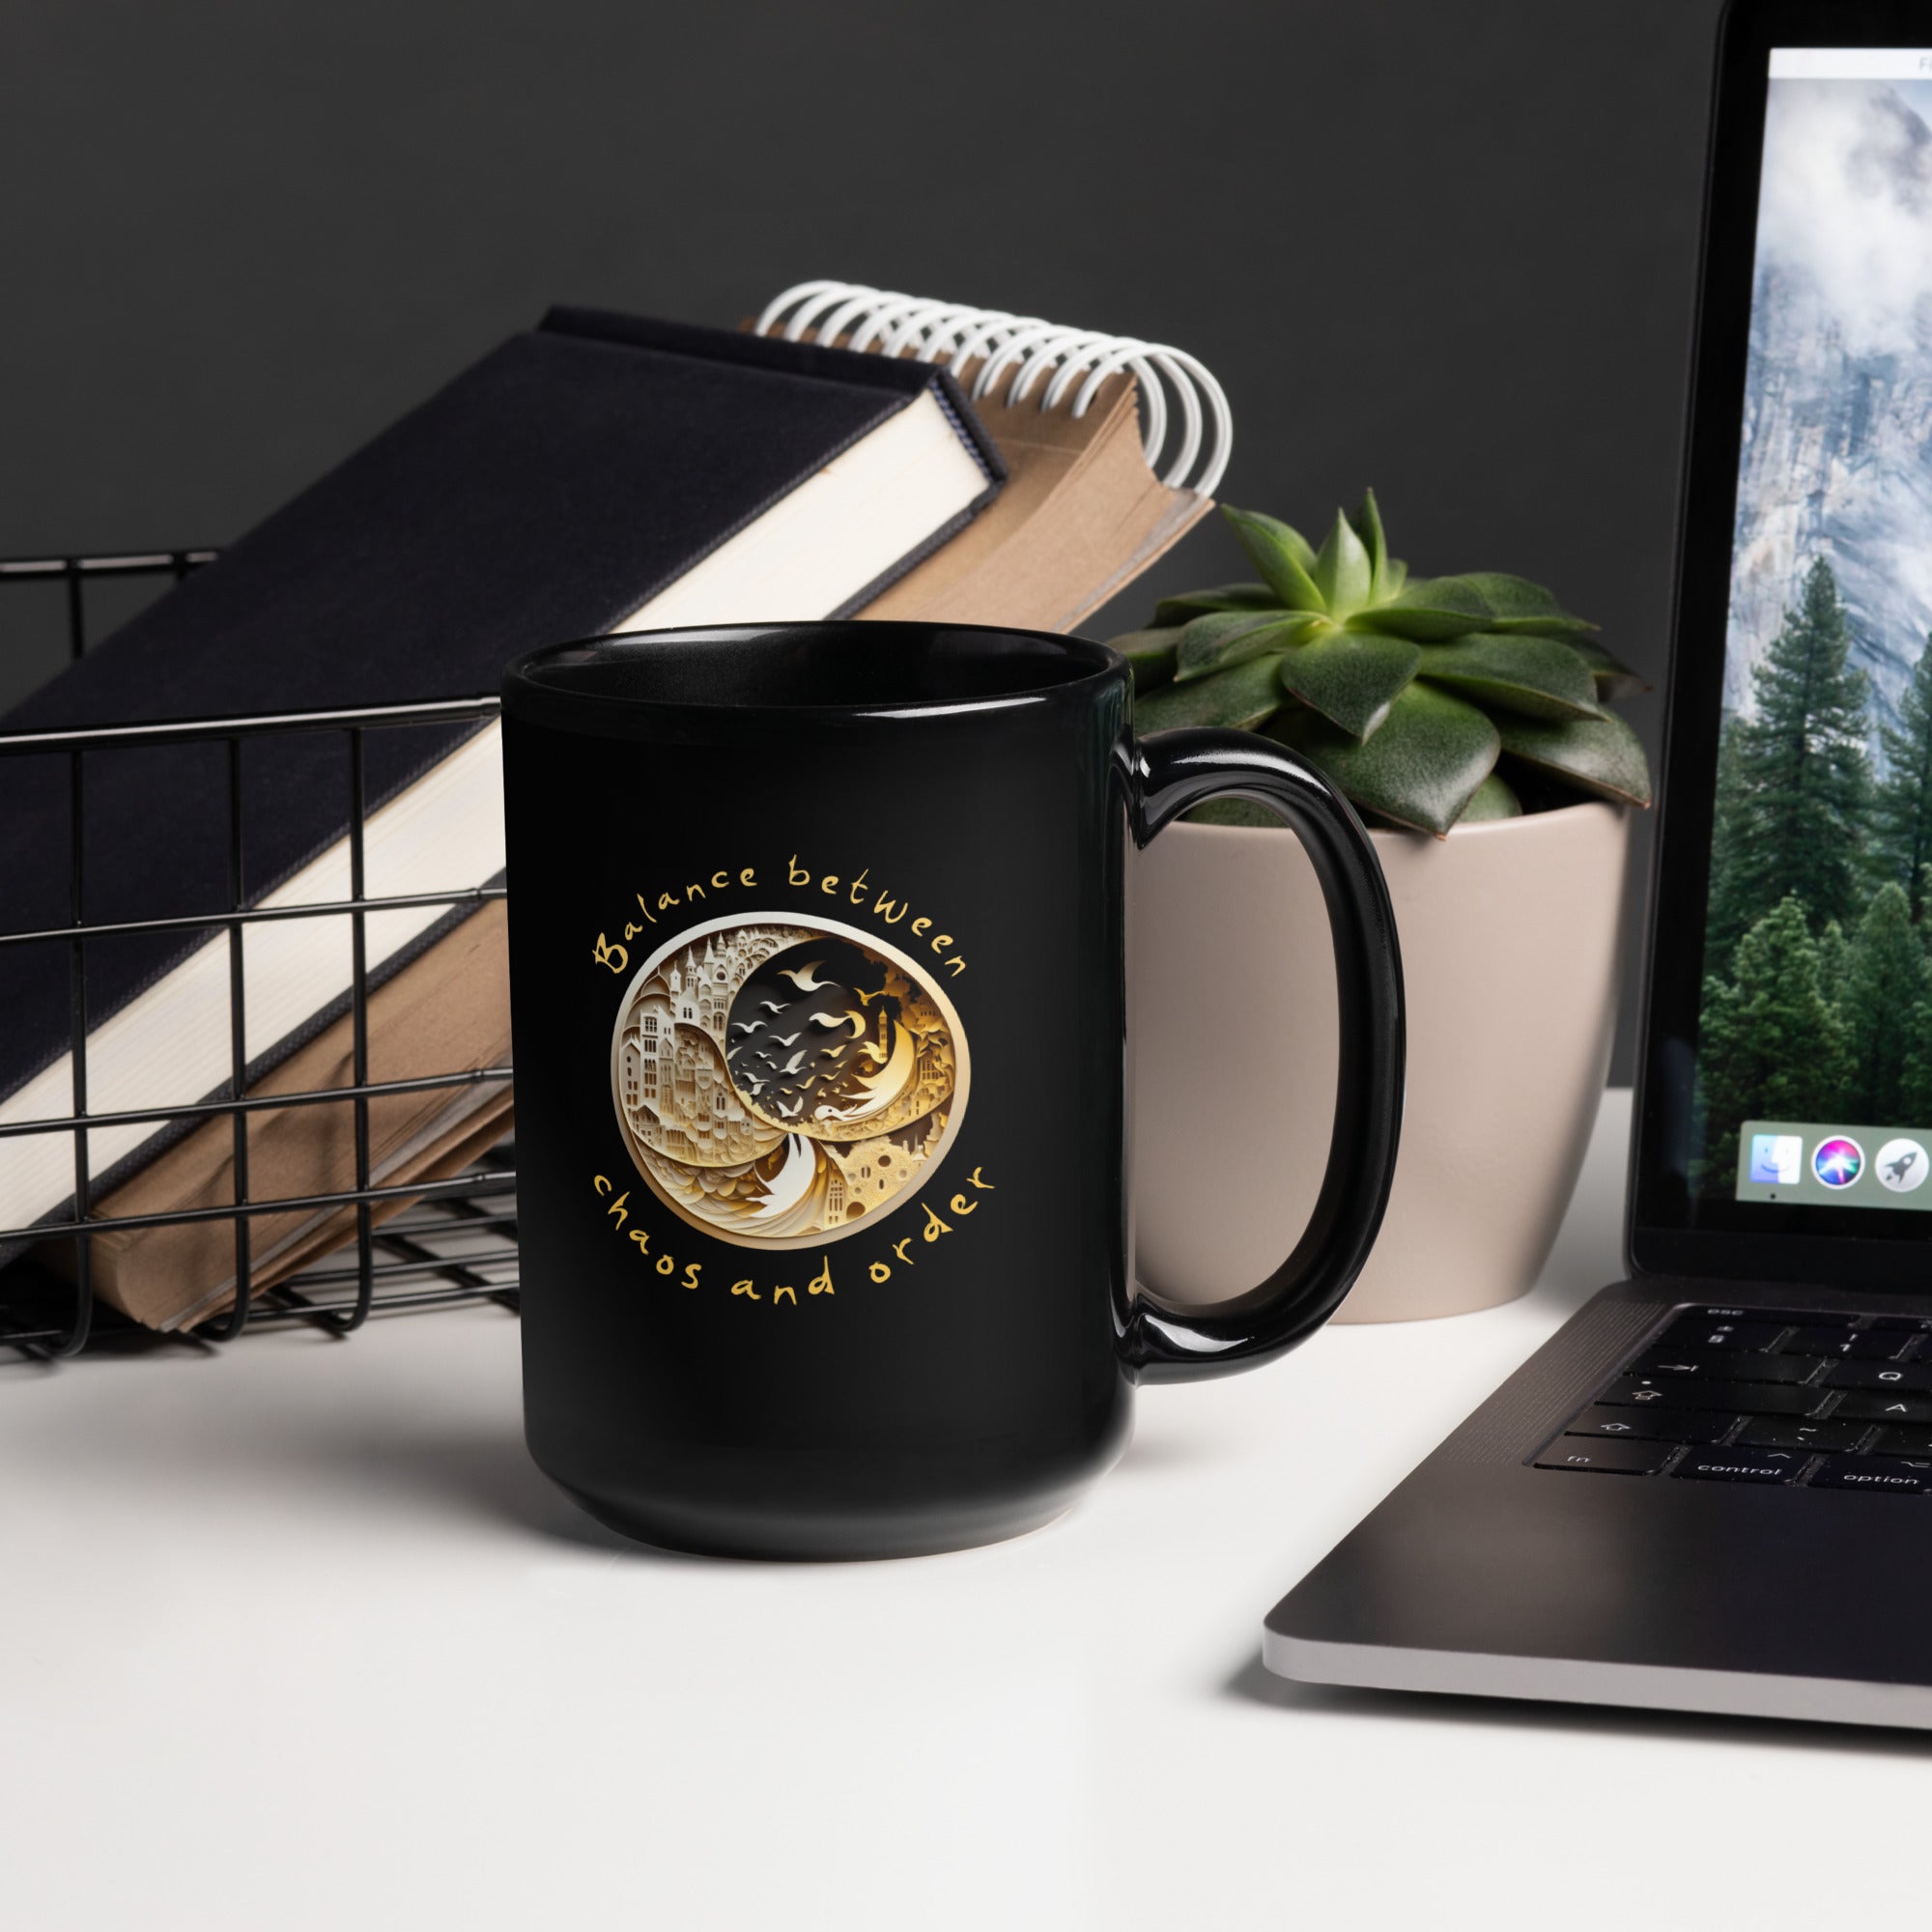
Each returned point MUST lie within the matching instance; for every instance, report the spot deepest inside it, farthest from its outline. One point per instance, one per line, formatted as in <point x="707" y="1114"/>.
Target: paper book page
<point x="818" y="547"/>
<point x="1181" y="510"/>
<point x="1045" y="452"/>
<point x="449" y="1145"/>
<point x="446" y="1151"/>
<point x="1081" y="515"/>
<point x="442" y="832"/>
<point x="445" y="1012"/>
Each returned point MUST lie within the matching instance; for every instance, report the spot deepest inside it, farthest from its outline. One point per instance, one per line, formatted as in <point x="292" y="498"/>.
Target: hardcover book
<point x="596" y="473"/>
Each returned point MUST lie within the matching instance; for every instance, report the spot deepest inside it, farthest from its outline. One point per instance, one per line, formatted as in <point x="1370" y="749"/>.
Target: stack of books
<point x="854" y="452"/>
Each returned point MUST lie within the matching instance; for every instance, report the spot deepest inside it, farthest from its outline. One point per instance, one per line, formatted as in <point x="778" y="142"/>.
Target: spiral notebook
<point x="1113" y="448"/>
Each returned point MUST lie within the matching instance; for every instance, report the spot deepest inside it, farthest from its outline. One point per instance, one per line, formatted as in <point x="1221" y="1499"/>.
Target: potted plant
<point x="1467" y="718"/>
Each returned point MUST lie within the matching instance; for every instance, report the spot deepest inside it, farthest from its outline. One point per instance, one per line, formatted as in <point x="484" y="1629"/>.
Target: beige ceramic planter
<point x="1509" y="938"/>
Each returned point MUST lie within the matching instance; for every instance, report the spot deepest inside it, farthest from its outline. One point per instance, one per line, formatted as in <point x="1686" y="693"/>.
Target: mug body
<point x="817" y="971"/>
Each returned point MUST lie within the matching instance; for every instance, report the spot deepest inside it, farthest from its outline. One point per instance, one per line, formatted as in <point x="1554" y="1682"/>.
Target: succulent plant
<point x="1431" y="703"/>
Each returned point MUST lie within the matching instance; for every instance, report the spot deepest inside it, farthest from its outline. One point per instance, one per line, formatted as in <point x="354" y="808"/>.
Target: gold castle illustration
<point x="782" y="1083"/>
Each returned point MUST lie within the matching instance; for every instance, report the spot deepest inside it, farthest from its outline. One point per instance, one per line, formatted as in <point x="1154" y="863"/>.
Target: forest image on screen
<point x="1817" y="994"/>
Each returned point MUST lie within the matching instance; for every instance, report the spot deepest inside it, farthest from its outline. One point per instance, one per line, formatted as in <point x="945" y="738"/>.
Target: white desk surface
<point x="296" y="1637"/>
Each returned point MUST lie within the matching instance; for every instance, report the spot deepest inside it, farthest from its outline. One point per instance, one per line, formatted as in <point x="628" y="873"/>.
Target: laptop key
<point x="1885" y="1474"/>
<point x="1740" y="1398"/>
<point x="1727" y="1365"/>
<point x="1898" y="1442"/>
<point x="1616" y="1459"/>
<point x="1877" y="1345"/>
<point x="1868" y="1345"/>
<point x="1912" y="1379"/>
<point x="1875" y="1406"/>
<point x="1699" y="1329"/>
<point x="1780" y="1433"/>
<point x="1652" y="1425"/>
<point x="1743" y="1465"/>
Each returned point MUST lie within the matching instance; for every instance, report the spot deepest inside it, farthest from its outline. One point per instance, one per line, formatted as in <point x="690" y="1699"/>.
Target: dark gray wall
<point x="1443" y="246"/>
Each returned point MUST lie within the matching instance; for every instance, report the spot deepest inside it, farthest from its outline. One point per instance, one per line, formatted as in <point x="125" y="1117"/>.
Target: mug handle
<point x="1167" y="775"/>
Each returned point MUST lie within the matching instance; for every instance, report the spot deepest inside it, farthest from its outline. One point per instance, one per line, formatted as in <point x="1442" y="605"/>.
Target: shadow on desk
<point x="1255" y="1684"/>
<point x="488" y="1477"/>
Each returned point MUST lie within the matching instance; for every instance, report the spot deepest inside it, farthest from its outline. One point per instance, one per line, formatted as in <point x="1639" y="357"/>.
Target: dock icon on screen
<point x="1776" y="1158"/>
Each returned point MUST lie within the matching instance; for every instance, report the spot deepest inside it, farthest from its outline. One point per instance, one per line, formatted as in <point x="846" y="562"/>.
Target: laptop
<point x="1712" y="1489"/>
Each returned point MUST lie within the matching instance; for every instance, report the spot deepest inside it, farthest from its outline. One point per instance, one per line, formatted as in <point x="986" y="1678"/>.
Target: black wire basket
<point x="455" y="1245"/>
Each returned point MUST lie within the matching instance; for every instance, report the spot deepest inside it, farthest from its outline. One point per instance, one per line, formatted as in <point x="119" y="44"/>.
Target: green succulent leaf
<point x="1223" y="597"/>
<point x="1351" y="677"/>
<point x="1408" y="693"/>
<point x="1435" y="609"/>
<point x="1492" y="799"/>
<point x="1368" y="523"/>
<point x="1420" y="769"/>
<point x="1226" y="637"/>
<point x="1516" y="604"/>
<point x="1596" y="755"/>
<point x="1277" y="533"/>
<point x="1542" y="677"/>
<point x="1238" y="698"/>
<point x="1343" y="573"/>
<point x="1421" y="612"/>
<point x="1149" y="654"/>
<point x="1614" y="678"/>
<point x="1281" y="554"/>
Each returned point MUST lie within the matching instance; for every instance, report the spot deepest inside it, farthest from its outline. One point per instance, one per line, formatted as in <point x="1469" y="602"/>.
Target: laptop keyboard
<point x="1738" y="1395"/>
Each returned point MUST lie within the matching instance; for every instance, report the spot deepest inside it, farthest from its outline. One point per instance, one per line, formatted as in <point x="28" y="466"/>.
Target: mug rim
<point x="539" y="683"/>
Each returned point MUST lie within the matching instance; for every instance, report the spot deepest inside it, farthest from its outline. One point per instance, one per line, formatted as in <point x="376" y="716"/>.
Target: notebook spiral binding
<point x="1024" y="353"/>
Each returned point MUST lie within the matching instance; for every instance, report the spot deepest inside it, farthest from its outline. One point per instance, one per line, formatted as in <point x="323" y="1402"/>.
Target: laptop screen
<point x="1813" y="1070"/>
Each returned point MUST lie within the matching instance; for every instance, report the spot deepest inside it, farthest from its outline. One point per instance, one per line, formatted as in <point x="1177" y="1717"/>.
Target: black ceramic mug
<point x="817" y="986"/>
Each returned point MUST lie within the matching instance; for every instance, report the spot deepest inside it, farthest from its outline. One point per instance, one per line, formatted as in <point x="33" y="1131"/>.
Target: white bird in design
<point x="834" y="1022"/>
<point x="787" y="1038"/>
<point x="792" y="1065"/>
<point x="800" y="976"/>
<point x="772" y="1006"/>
